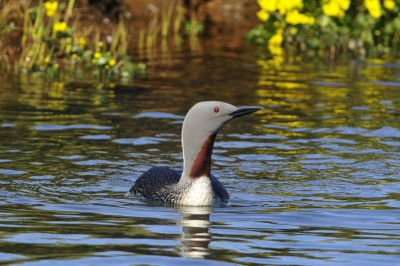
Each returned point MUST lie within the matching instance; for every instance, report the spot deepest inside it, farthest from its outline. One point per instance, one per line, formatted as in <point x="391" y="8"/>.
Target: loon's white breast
<point x="200" y="193"/>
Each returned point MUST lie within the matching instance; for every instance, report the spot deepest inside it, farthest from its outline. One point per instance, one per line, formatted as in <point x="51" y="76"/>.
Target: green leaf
<point x="87" y="55"/>
<point x="323" y="21"/>
<point x="103" y="60"/>
<point x="368" y="38"/>
<point x="396" y="23"/>
<point x="315" y="43"/>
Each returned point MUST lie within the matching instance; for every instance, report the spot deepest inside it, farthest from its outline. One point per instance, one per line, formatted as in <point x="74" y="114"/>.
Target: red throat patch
<point x="202" y="164"/>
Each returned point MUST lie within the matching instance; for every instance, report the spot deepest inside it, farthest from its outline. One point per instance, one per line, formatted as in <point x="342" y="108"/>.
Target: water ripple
<point x="384" y="132"/>
<point x="11" y="172"/>
<point x="66" y="127"/>
<point x="96" y="137"/>
<point x="159" y="115"/>
<point x="140" y="141"/>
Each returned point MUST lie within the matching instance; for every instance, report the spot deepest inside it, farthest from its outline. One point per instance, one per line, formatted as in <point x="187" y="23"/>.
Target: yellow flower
<point x="275" y="50"/>
<point x="285" y="6"/>
<point x="294" y="17"/>
<point x="276" y="39"/>
<point x="375" y="13"/>
<point x="60" y="26"/>
<point x="331" y="9"/>
<point x="112" y="62"/>
<point x="344" y="4"/>
<point x="68" y="48"/>
<point x="263" y="15"/>
<point x="374" y="8"/>
<point x="335" y="8"/>
<point x="51" y="8"/>
<point x="389" y="4"/>
<point x="268" y="5"/>
<point x="47" y="60"/>
<point x="282" y="6"/>
<point x="82" y="42"/>
<point x="97" y="55"/>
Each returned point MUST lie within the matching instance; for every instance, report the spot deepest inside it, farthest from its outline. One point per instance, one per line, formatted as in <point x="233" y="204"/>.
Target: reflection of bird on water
<point x="195" y="185"/>
<point x="195" y="224"/>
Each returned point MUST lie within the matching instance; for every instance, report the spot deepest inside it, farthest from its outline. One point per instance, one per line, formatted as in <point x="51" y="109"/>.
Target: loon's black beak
<point x="244" y="111"/>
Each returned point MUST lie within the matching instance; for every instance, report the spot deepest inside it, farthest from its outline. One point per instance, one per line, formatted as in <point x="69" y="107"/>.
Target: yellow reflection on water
<point x="307" y="95"/>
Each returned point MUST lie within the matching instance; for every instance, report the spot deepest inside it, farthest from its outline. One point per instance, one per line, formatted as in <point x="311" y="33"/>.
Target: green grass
<point x="44" y="38"/>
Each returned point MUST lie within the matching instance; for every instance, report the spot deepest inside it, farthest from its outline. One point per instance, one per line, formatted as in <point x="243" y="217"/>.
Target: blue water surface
<point x="314" y="177"/>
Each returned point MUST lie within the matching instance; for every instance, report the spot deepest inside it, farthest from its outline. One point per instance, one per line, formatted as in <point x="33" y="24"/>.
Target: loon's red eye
<point x="216" y="110"/>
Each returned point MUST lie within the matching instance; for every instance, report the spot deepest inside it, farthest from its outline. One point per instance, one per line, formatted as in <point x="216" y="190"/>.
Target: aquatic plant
<point x="50" y="39"/>
<point x="360" y="29"/>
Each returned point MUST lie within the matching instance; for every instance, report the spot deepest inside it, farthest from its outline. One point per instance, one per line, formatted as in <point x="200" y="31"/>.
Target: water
<point x="314" y="177"/>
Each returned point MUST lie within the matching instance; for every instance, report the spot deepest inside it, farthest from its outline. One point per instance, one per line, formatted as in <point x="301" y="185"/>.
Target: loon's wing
<point x="220" y="191"/>
<point x="154" y="181"/>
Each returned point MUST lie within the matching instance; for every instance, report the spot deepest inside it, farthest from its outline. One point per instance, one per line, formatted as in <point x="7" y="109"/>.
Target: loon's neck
<point x="197" y="157"/>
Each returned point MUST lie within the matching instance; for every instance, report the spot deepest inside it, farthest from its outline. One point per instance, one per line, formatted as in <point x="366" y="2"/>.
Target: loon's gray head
<point x="200" y="127"/>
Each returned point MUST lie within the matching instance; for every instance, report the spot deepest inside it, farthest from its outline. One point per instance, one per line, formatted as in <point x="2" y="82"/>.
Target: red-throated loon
<point x="195" y="185"/>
